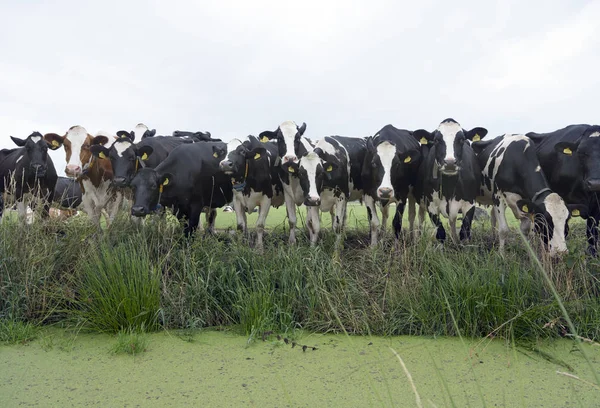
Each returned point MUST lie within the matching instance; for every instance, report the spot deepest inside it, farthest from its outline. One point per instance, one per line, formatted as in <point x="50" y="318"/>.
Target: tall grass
<point x="127" y="276"/>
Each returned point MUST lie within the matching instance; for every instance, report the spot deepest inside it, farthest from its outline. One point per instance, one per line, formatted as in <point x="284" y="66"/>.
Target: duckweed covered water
<point x="220" y="369"/>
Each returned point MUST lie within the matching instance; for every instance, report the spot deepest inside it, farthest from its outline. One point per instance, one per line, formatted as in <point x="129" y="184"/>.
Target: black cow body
<point x="28" y="169"/>
<point x="570" y="159"/>
<point x="388" y="173"/>
<point x="330" y="176"/>
<point x="291" y="145"/>
<point x="188" y="181"/>
<point x="512" y="177"/>
<point x="196" y="136"/>
<point x="67" y="193"/>
<point x="252" y="166"/>
<point x="449" y="176"/>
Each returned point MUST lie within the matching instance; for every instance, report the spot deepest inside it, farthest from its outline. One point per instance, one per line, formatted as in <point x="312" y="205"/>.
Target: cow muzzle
<point x="593" y="184"/>
<point x="138" y="211"/>
<point x="385" y="192"/>
<point x="226" y="166"/>
<point x="73" y="170"/>
<point x="312" y="201"/>
<point x="39" y="170"/>
<point x="449" y="168"/>
<point x="119" y="182"/>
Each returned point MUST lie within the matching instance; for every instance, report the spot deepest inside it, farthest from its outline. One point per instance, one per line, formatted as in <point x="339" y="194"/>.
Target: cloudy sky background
<point x="344" y="67"/>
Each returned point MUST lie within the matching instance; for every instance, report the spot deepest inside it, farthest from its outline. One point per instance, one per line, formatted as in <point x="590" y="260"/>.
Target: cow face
<point x="311" y="174"/>
<point x="141" y="131"/>
<point x="234" y="159"/>
<point x="288" y="136"/>
<point x="587" y="152"/>
<point x="77" y="143"/>
<point x="448" y="143"/>
<point x="550" y="221"/>
<point x="125" y="159"/>
<point x="36" y="150"/>
<point x="386" y="163"/>
<point x="147" y="186"/>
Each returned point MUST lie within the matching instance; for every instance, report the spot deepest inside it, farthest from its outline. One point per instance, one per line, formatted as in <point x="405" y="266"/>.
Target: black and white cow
<point x="291" y="146"/>
<point x="512" y="176"/>
<point x="449" y="176"/>
<point x="252" y="166"/>
<point x="28" y="169"/>
<point x="330" y="176"/>
<point x="570" y="159"/>
<point x="188" y="181"/>
<point x="142" y="132"/>
<point x="388" y="174"/>
<point x="197" y="136"/>
<point x="127" y="157"/>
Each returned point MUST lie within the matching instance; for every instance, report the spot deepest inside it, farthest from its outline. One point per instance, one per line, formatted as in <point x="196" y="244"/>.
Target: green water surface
<point x="221" y="369"/>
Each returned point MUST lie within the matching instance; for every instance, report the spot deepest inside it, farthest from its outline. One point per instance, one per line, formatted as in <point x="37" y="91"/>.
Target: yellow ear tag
<point x="476" y="138"/>
<point x="264" y="139"/>
<point x="423" y="141"/>
<point x="145" y="156"/>
<point x="568" y="151"/>
<point x="330" y="168"/>
<point x="291" y="169"/>
<point x="215" y="155"/>
<point x="575" y="213"/>
<point x="102" y="155"/>
<point x="257" y="156"/>
<point x="55" y="143"/>
<point x="525" y="209"/>
<point x="165" y="182"/>
<point x="407" y="160"/>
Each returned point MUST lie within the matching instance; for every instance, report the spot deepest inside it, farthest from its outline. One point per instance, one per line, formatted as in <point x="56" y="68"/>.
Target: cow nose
<point x="593" y="184"/>
<point x="450" y="164"/>
<point x="290" y="158"/>
<point x="384" y="192"/>
<point x="312" y="201"/>
<point x="119" y="181"/>
<point x="138" y="211"/>
<point x="226" y="165"/>
<point x="73" y="169"/>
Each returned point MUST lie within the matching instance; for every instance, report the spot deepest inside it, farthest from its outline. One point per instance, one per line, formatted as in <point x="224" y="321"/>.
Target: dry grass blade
<point x="573" y="376"/>
<point x="410" y="380"/>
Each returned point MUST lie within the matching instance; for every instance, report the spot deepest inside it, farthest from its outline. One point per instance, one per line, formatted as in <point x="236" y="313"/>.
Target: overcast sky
<point x="344" y="67"/>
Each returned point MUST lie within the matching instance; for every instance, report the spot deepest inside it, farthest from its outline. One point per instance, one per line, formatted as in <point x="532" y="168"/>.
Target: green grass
<point x="14" y="331"/>
<point x="131" y="342"/>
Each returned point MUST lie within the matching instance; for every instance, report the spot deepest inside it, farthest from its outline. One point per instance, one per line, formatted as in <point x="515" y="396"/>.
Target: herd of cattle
<point x="544" y="178"/>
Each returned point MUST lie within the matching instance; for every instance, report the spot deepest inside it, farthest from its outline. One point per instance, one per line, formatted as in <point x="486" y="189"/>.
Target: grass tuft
<point x="14" y="331"/>
<point x="131" y="342"/>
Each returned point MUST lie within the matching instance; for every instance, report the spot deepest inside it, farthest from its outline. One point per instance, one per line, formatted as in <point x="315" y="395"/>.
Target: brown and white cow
<point x="94" y="174"/>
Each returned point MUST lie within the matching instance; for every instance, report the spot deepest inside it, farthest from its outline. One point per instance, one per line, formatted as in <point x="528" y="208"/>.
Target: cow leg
<point x="263" y="210"/>
<point x="373" y="219"/>
<point x="411" y="215"/>
<point x="290" y="207"/>
<point x="440" y="233"/>
<point x="240" y="214"/>
<point x="503" y="229"/>
<point x="465" y="228"/>
<point x="592" y="235"/>
<point x="397" y="221"/>
<point x="314" y="224"/>
<point x="454" y="207"/>
<point x="192" y="220"/>
<point x="211" y="216"/>
<point x="339" y="214"/>
<point x="22" y="210"/>
<point x="385" y="213"/>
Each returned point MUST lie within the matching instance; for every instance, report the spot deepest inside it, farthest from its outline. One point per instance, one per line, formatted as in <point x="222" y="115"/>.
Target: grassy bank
<point x="129" y="277"/>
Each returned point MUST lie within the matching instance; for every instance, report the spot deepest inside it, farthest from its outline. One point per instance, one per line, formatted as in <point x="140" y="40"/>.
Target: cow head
<point x="77" y="143"/>
<point x="125" y="158"/>
<point x="550" y="218"/>
<point x="448" y="142"/>
<point x="36" y="153"/>
<point x="313" y="171"/>
<point x="142" y="132"/>
<point x="384" y="163"/>
<point x="148" y="186"/>
<point x="233" y="157"/>
<point x="587" y="152"/>
<point x="288" y="136"/>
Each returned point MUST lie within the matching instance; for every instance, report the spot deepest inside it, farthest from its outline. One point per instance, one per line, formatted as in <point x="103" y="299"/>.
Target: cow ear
<point x="422" y="136"/>
<point x="566" y="148"/>
<point x="476" y="134"/>
<point x="370" y="145"/>
<point x="267" y="135"/>
<point x="578" y="210"/>
<point x="18" y="142"/>
<point x="256" y="153"/>
<point x="124" y="133"/>
<point x="218" y="152"/>
<point x="527" y="207"/>
<point x="330" y="166"/>
<point x="412" y="156"/>
<point x="165" y="180"/>
<point x="144" y="152"/>
<point x="301" y="130"/>
<point x="99" y="140"/>
<point x="149" y="133"/>
<point x="99" y="151"/>
<point x="291" y="167"/>
<point x="54" y="141"/>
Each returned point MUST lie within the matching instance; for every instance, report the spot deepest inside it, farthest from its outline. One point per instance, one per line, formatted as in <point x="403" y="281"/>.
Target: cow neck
<point x="241" y="185"/>
<point x="539" y="193"/>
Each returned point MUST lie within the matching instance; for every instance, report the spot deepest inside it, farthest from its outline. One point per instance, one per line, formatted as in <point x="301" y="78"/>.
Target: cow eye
<point x="86" y="146"/>
<point x="374" y="164"/>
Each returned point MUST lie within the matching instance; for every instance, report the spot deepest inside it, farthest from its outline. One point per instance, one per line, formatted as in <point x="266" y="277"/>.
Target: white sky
<point x="344" y="67"/>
